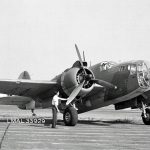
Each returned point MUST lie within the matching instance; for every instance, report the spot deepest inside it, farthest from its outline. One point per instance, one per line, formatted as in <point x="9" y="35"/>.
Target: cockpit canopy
<point x="105" y="65"/>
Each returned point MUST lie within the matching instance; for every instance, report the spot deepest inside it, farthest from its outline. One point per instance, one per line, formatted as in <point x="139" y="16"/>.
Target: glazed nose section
<point x="147" y="75"/>
<point x="143" y="72"/>
<point x="147" y="78"/>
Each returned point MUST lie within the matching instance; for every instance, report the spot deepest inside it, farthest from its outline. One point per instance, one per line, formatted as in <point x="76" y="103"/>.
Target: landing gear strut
<point x="70" y="116"/>
<point x="145" y="115"/>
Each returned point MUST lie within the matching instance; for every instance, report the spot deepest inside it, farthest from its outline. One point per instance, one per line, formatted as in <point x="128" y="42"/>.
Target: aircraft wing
<point x="14" y="100"/>
<point x="28" y="88"/>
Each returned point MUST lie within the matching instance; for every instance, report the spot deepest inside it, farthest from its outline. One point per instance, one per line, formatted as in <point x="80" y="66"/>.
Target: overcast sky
<point x="39" y="35"/>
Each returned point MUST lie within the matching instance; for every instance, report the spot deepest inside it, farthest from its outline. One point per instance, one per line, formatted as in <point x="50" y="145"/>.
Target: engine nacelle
<point x="71" y="78"/>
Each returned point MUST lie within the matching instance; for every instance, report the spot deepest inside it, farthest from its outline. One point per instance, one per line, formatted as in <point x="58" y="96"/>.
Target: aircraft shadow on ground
<point x="108" y="122"/>
<point x="48" y="122"/>
<point x="90" y="122"/>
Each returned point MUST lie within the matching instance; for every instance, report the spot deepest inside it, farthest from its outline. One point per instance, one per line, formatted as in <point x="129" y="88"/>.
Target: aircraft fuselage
<point x="131" y="79"/>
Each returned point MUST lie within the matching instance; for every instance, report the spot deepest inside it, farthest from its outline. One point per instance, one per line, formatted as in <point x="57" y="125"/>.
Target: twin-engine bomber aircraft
<point x="125" y="85"/>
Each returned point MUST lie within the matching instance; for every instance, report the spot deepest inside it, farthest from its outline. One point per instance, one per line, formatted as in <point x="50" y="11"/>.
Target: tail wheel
<point x="147" y="119"/>
<point x="70" y="116"/>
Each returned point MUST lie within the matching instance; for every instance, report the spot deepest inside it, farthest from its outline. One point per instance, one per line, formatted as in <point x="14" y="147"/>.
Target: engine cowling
<point x="72" y="77"/>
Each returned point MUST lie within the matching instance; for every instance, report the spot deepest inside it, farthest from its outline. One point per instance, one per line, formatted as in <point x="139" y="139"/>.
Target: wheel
<point x="146" y="120"/>
<point x="54" y="119"/>
<point x="70" y="116"/>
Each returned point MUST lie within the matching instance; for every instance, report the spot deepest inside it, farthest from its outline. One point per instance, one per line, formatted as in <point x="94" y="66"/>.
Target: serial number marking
<point x="27" y="120"/>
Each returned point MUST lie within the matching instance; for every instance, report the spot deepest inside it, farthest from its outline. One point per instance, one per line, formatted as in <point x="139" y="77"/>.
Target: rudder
<point x="24" y="75"/>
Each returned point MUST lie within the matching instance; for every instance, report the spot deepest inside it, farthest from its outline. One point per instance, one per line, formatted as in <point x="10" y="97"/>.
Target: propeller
<point x="86" y="77"/>
<point x="75" y="93"/>
<point x="83" y="56"/>
<point x="90" y="63"/>
<point x="104" y="83"/>
<point x="80" y="59"/>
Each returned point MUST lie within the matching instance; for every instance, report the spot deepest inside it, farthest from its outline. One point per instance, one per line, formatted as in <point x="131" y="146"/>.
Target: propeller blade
<point x="104" y="83"/>
<point x="79" y="56"/>
<point x="74" y="93"/>
<point x="80" y="59"/>
<point x="83" y="56"/>
<point x="90" y="63"/>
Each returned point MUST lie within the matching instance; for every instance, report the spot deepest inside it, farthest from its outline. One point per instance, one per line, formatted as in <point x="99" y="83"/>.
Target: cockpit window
<point x="129" y="67"/>
<point x="133" y="69"/>
<point x="123" y="68"/>
<point x="106" y="65"/>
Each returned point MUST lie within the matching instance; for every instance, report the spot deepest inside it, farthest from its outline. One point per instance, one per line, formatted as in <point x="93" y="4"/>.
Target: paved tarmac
<point x="100" y="129"/>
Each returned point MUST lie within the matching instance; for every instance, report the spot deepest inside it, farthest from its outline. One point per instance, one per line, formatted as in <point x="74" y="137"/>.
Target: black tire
<point x="54" y="119"/>
<point x="70" y="116"/>
<point x="146" y="120"/>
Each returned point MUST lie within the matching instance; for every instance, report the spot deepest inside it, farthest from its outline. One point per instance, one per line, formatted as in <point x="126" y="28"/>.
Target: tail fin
<point x="24" y="75"/>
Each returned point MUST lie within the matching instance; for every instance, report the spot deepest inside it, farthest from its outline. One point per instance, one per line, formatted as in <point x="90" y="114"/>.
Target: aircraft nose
<point x="144" y="74"/>
<point x="147" y="77"/>
<point x="148" y="69"/>
<point x="147" y="73"/>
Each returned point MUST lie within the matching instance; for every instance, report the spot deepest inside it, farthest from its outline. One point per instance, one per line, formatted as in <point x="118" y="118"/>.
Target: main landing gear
<point x="70" y="116"/>
<point x="145" y="114"/>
